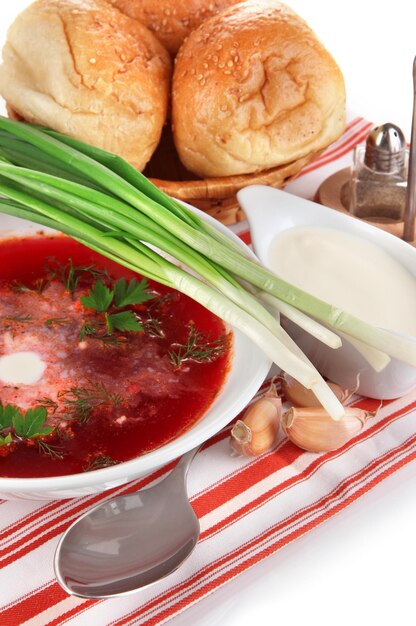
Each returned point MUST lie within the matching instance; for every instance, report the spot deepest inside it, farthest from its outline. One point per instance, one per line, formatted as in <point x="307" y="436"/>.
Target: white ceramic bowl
<point x="248" y="370"/>
<point x="272" y="211"/>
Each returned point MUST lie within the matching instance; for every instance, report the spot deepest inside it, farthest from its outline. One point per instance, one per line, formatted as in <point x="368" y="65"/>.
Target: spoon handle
<point x="183" y="466"/>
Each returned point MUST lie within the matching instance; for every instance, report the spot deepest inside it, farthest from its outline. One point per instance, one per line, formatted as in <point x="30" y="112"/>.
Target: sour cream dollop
<point x="21" y="368"/>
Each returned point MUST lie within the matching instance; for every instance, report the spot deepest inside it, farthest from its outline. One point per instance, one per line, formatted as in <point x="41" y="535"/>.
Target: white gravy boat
<point x="270" y="212"/>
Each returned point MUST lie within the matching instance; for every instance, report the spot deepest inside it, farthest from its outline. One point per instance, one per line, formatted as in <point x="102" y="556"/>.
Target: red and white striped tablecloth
<point x="248" y="508"/>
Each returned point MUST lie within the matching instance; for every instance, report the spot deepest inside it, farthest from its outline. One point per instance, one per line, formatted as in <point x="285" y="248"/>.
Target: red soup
<point x="97" y="364"/>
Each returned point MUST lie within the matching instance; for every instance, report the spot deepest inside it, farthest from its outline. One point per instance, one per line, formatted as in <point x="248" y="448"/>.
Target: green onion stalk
<point x="100" y="200"/>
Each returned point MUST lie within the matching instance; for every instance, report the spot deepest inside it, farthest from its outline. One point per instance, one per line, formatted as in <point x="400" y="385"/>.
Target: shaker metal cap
<point x="385" y="149"/>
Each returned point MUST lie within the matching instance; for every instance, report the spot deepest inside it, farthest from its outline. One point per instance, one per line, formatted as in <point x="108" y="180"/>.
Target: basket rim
<point x="226" y="186"/>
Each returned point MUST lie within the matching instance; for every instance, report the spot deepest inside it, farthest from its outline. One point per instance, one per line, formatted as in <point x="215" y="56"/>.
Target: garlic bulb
<point x="257" y="431"/>
<point x="313" y="429"/>
<point x="299" y="396"/>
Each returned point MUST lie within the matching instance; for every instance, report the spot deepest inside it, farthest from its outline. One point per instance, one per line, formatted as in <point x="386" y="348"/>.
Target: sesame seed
<point x="227" y="71"/>
<point x="230" y="63"/>
<point x="92" y="60"/>
<point x="200" y="76"/>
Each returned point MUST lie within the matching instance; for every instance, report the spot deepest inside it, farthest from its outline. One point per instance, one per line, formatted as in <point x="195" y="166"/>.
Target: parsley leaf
<point x="99" y="297"/>
<point x="6" y="415"/>
<point x="126" y="320"/>
<point x="32" y="424"/>
<point x="4" y="441"/>
<point x="131" y="293"/>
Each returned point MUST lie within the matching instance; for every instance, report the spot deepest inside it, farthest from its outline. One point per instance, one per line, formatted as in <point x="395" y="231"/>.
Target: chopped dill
<point x="20" y="287"/>
<point x="156" y="304"/>
<point x="89" y="329"/>
<point x="198" y="347"/>
<point x="81" y="401"/>
<point x="48" y="403"/>
<point x="55" y="452"/>
<point x="152" y="327"/>
<point x="72" y="275"/>
<point x="39" y="286"/>
<point x="21" y="319"/>
<point x="62" y="432"/>
<point x="99" y="462"/>
<point x="97" y="330"/>
<point x="56" y="321"/>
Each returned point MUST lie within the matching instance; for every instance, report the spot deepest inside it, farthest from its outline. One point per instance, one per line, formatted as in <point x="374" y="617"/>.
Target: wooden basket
<point x="215" y="196"/>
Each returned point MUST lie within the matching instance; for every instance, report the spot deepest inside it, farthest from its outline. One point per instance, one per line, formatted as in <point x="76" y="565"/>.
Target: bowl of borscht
<point x="104" y="376"/>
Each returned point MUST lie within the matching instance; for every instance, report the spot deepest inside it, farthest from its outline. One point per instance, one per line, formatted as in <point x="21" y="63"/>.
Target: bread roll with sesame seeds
<point x="171" y="20"/>
<point x="83" y="68"/>
<point x="253" y="88"/>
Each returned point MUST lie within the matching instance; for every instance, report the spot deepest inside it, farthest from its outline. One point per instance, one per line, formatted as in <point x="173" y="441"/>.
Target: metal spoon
<point x="130" y="541"/>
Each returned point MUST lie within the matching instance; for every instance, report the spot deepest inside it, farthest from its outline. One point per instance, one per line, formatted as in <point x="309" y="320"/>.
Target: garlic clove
<point x="272" y="392"/>
<point x="299" y="396"/>
<point x="314" y="430"/>
<point x="257" y="431"/>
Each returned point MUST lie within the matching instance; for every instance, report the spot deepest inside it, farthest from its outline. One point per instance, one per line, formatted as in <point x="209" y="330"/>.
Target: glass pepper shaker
<point x="379" y="175"/>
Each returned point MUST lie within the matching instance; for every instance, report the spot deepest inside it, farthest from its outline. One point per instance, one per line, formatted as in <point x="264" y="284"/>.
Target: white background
<point x="359" y="567"/>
